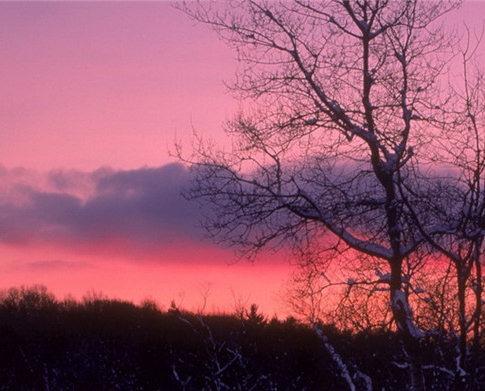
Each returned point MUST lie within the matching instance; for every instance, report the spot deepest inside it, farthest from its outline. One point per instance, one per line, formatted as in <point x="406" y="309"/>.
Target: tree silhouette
<point x="346" y="99"/>
<point x="455" y="200"/>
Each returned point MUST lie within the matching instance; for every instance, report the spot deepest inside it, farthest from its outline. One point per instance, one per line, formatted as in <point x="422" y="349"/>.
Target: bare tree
<point x="346" y="290"/>
<point x="468" y="251"/>
<point x="456" y="200"/>
<point x="344" y="93"/>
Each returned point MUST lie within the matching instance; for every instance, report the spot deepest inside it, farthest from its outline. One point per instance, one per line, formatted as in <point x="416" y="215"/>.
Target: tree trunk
<point x="411" y="335"/>
<point x="413" y="348"/>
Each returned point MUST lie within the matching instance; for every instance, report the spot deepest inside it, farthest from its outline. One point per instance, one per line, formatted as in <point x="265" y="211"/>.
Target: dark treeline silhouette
<point x="107" y="344"/>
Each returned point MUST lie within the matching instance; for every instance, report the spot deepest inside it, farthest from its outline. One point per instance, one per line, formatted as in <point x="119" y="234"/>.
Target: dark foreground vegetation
<point x="105" y="344"/>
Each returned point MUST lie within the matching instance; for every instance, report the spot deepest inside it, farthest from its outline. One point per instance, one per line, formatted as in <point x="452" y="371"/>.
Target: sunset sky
<point x="93" y="96"/>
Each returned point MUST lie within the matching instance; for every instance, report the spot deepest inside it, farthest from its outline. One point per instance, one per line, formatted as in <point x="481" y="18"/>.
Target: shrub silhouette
<point x="106" y="344"/>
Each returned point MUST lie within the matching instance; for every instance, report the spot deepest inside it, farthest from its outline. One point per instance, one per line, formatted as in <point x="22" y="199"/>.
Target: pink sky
<point x="93" y="96"/>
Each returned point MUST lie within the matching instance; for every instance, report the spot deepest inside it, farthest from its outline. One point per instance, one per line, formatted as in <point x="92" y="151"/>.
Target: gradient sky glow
<point x="93" y="96"/>
<point x="91" y="84"/>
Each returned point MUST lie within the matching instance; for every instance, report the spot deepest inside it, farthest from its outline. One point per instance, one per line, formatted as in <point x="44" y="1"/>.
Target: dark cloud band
<point x="140" y="209"/>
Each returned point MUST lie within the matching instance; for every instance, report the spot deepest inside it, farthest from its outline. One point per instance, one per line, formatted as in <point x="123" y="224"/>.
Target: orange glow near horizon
<point x="209" y="283"/>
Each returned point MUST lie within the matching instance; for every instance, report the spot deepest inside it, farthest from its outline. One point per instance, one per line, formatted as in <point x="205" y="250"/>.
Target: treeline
<point x="104" y="344"/>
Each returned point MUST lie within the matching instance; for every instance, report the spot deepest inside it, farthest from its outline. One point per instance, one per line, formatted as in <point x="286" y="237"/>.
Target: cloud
<point x="133" y="211"/>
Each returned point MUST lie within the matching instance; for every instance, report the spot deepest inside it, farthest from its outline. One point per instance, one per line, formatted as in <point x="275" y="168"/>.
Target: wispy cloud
<point x="135" y="211"/>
